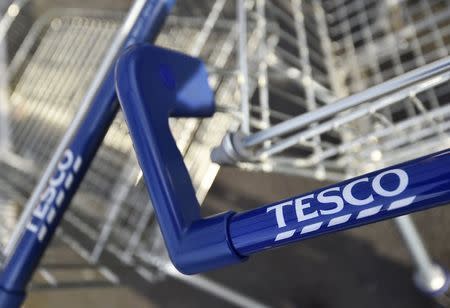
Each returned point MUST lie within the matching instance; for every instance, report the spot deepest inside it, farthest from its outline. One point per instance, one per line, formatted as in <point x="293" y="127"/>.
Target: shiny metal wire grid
<point x="382" y="40"/>
<point x="316" y="54"/>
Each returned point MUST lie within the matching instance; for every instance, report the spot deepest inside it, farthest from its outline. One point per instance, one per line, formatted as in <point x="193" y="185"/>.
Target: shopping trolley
<point x="295" y="116"/>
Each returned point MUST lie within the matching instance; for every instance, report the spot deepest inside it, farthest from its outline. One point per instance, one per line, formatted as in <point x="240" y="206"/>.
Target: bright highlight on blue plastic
<point x="153" y="84"/>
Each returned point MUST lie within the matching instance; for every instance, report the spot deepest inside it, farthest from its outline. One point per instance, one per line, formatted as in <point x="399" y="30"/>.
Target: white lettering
<point x="348" y="195"/>
<point x="331" y="199"/>
<point x="337" y="200"/>
<point x="47" y="197"/>
<point x="279" y="213"/>
<point x="44" y="210"/>
<point x="300" y="206"/>
<point x="403" y="183"/>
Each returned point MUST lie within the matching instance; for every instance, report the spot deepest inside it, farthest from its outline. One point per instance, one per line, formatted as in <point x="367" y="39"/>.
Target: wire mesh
<point x="389" y="39"/>
<point x="328" y="50"/>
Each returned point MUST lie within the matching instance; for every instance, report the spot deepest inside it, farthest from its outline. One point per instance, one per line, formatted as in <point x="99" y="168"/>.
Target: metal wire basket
<point x="305" y="119"/>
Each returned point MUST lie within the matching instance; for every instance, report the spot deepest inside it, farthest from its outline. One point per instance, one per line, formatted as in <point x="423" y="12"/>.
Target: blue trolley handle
<point x="153" y="84"/>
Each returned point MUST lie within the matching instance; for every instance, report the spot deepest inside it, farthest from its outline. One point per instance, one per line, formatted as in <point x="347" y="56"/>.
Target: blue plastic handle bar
<point x="153" y="84"/>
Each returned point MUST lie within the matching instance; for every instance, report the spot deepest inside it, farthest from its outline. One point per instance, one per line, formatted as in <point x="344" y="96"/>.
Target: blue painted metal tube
<point x="412" y="186"/>
<point x="71" y="169"/>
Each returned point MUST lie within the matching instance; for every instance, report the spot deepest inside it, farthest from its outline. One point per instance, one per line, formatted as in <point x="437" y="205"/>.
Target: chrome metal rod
<point x="414" y="242"/>
<point x="263" y="89"/>
<point x="378" y="103"/>
<point x="208" y="26"/>
<point x="433" y="73"/>
<point x="5" y="140"/>
<point x="243" y="74"/>
<point x="120" y="192"/>
<point x="135" y="238"/>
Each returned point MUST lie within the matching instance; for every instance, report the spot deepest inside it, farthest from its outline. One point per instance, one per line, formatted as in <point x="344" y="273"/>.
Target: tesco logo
<point x="54" y="195"/>
<point x="336" y="198"/>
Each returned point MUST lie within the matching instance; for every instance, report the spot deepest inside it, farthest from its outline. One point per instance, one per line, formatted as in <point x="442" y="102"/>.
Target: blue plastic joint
<point x="154" y="84"/>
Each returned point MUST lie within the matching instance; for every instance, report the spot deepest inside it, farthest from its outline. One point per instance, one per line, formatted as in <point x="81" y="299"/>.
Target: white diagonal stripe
<point x="401" y="203"/>
<point x="77" y="164"/>
<point x="284" y="235"/>
<point x="51" y="215"/>
<point x="68" y="181"/>
<point x="339" y="220"/>
<point x="59" y="198"/>
<point x="311" y="228"/>
<point x="42" y="233"/>
<point x="369" y="212"/>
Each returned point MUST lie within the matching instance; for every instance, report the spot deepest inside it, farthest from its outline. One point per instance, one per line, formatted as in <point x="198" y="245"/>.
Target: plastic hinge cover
<point x="154" y="84"/>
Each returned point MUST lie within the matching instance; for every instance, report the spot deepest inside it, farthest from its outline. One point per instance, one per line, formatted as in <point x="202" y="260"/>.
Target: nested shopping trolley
<point x="323" y="89"/>
<point x="53" y="54"/>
